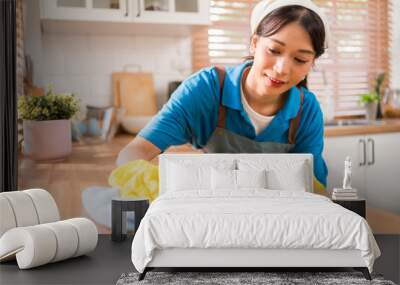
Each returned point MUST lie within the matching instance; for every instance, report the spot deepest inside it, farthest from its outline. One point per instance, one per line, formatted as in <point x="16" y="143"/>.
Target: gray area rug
<point x="229" y="278"/>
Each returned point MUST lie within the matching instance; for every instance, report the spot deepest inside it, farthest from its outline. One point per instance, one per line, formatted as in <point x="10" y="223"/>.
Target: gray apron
<point x="225" y="141"/>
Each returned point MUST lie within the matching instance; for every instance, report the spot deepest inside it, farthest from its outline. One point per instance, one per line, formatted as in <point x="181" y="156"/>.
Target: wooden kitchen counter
<point x="88" y="165"/>
<point x="381" y="126"/>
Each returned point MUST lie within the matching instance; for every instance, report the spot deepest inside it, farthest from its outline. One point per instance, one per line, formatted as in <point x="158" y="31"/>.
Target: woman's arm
<point x="138" y="148"/>
<point x="188" y="116"/>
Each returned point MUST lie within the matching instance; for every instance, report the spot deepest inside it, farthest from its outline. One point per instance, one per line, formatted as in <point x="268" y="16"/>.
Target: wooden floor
<point x="91" y="164"/>
<point x="88" y="165"/>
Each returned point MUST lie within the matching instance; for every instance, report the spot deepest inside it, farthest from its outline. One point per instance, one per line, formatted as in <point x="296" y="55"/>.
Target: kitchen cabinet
<point x="375" y="168"/>
<point x="186" y="12"/>
<point x="85" y="10"/>
<point x="171" y="11"/>
<point x="383" y="171"/>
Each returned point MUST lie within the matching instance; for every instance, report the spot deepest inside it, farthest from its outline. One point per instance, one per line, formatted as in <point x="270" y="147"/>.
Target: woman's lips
<point x="274" y="82"/>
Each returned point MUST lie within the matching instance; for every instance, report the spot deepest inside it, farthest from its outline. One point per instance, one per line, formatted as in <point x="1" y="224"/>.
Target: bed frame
<point x="245" y="259"/>
<point x="242" y="259"/>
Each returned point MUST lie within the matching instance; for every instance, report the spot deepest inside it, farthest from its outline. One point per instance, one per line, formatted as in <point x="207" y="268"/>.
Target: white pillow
<point x="228" y="179"/>
<point x="188" y="177"/>
<point x="185" y="174"/>
<point x="282" y="174"/>
<point x="291" y="179"/>
<point x="223" y="179"/>
<point x="251" y="178"/>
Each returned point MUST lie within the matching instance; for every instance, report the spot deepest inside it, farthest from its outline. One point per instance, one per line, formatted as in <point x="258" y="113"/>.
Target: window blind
<point x="358" y="48"/>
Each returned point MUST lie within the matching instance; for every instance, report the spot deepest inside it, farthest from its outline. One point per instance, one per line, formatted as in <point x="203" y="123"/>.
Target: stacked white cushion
<point x="66" y="236"/>
<point x="23" y="208"/>
<point x="45" y="206"/>
<point x="31" y="232"/>
<point x="7" y="220"/>
<point x="41" y="244"/>
<point x="27" y="208"/>
<point x="87" y="234"/>
<point x="281" y="174"/>
<point x="32" y="246"/>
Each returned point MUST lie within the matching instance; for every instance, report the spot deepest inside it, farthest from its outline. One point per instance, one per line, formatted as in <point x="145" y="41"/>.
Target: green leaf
<point x="369" y="97"/>
<point x="52" y="106"/>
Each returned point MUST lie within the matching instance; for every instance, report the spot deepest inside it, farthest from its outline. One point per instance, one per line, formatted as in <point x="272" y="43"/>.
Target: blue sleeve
<point x="186" y="118"/>
<point x="310" y="136"/>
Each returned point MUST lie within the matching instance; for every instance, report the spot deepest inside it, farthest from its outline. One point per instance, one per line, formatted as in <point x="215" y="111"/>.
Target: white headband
<point x="263" y="8"/>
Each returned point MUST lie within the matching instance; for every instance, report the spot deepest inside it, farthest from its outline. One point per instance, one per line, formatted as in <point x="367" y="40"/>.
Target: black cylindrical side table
<point x="118" y="215"/>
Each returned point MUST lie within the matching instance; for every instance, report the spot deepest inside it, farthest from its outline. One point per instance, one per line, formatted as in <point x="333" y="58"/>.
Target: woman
<point x="262" y="105"/>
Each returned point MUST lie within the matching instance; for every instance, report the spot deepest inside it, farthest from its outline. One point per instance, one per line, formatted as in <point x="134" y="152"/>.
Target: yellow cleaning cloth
<point x="138" y="178"/>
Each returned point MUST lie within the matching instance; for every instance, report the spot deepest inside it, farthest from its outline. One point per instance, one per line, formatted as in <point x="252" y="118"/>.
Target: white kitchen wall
<point x="83" y="64"/>
<point x="395" y="52"/>
<point x="33" y="38"/>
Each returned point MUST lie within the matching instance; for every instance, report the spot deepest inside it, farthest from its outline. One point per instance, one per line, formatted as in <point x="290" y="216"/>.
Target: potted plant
<point x="370" y="101"/>
<point x="46" y="124"/>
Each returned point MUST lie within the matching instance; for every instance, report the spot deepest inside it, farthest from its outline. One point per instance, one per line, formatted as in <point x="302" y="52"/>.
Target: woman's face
<point x="281" y="60"/>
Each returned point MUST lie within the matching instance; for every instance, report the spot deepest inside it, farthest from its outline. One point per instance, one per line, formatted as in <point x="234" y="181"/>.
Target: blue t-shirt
<point x="191" y="116"/>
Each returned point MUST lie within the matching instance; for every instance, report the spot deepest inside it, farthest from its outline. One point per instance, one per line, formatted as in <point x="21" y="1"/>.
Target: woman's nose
<point x="282" y="66"/>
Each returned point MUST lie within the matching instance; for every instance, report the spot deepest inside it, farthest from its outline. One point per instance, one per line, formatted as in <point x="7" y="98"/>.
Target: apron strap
<point x="221" y="108"/>
<point x="294" y="123"/>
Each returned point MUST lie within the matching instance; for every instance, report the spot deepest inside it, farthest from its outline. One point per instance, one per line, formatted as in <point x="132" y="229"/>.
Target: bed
<point x="247" y="210"/>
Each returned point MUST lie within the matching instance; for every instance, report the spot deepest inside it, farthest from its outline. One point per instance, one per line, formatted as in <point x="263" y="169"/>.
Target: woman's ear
<point x="253" y="44"/>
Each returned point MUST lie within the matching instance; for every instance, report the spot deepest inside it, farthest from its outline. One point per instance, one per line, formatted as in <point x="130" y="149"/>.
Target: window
<point x="358" y="48"/>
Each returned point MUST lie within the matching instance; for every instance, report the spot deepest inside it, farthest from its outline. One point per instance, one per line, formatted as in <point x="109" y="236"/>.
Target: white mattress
<point x="252" y="218"/>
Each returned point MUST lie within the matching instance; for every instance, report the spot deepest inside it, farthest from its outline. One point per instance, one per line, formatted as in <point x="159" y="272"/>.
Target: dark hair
<point x="283" y="16"/>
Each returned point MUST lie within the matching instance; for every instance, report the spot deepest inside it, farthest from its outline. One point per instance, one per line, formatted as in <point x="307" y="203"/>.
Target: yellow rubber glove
<point x="138" y="178"/>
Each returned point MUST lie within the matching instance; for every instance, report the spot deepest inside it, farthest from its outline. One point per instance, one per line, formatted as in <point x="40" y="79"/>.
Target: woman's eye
<point x="301" y="61"/>
<point x="273" y="51"/>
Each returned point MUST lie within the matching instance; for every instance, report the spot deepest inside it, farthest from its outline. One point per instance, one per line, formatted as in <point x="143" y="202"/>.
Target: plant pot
<point x="47" y="140"/>
<point x="371" y="109"/>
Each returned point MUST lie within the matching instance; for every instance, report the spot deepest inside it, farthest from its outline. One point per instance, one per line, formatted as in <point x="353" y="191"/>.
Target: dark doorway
<point x="8" y="98"/>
